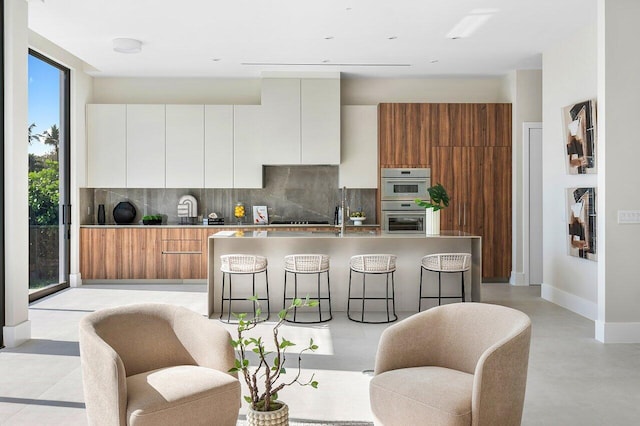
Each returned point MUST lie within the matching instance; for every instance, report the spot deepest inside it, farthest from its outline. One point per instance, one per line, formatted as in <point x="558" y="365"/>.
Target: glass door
<point x="49" y="186"/>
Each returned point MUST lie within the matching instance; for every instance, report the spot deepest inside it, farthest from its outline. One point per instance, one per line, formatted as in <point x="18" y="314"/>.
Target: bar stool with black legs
<point x="308" y="264"/>
<point x="377" y="264"/>
<point x="243" y="264"/>
<point x="444" y="263"/>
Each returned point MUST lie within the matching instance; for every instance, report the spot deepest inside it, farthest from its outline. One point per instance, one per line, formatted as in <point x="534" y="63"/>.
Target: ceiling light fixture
<point x="392" y="38"/>
<point x="434" y="61"/>
<point x="215" y="59"/>
<point x="468" y="25"/>
<point x="328" y="38"/>
<point x="127" y="45"/>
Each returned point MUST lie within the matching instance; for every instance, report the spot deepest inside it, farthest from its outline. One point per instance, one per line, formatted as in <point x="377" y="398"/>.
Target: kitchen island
<point x="409" y="248"/>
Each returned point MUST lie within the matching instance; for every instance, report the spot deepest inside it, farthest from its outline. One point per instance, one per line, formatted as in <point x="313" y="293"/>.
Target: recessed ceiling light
<point x="392" y="38"/>
<point x="434" y="61"/>
<point x="328" y="38"/>
<point x="215" y="59"/>
<point x="348" y="8"/>
<point x="127" y="45"/>
<point x="324" y="61"/>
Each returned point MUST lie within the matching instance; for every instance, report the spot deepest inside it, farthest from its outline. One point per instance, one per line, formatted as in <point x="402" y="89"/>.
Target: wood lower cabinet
<point x="124" y="253"/>
<point x="112" y="253"/>
<point x="182" y="252"/>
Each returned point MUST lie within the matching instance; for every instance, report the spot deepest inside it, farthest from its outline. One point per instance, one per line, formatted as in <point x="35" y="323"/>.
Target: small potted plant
<point x="358" y="217"/>
<point x="153" y="219"/>
<point x="438" y="200"/>
<point x="270" y="368"/>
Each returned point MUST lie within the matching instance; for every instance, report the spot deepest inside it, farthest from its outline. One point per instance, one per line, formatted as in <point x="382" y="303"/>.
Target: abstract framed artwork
<point x="580" y="137"/>
<point x="581" y="212"/>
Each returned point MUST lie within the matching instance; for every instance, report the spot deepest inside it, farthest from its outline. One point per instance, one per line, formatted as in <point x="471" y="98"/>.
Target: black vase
<point x="101" y="218"/>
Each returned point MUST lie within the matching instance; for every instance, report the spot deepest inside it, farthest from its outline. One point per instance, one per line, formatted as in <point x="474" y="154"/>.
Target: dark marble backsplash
<point x="290" y="193"/>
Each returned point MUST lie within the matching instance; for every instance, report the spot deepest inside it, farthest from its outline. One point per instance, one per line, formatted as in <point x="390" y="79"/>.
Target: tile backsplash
<point x="290" y="193"/>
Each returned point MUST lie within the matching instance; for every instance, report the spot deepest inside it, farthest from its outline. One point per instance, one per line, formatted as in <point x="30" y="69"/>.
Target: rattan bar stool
<point x="243" y="264"/>
<point x="307" y="264"/>
<point x="373" y="264"/>
<point x="447" y="263"/>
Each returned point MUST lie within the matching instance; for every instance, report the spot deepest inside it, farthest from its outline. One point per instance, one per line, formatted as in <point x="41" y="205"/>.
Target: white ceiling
<point x="182" y="38"/>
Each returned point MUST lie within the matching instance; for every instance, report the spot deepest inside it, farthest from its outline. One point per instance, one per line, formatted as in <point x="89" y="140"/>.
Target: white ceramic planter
<point x="278" y="417"/>
<point x="358" y="220"/>
<point x="432" y="222"/>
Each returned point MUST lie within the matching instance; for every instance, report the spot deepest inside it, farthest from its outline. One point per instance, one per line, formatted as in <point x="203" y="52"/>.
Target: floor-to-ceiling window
<point x="49" y="209"/>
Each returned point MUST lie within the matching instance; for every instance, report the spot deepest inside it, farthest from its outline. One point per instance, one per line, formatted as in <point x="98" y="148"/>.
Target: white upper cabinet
<point x="106" y="146"/>
<point x="247" y="146"/>
<point x="280" y="120"/>
<point x="145" y="146"/>
<point x="185" y="146"/>
<point x="301" y="120"/>
<point x="320" y="121"/>
<point x="218" y="146"/>
<point x="359" y="166"/>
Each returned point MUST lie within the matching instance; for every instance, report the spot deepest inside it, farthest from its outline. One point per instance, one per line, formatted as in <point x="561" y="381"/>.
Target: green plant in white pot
<point x="270" y="369"/>
<point x="438" y="200"/>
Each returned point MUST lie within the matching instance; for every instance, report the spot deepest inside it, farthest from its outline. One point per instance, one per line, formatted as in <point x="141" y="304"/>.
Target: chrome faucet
<point x="343" y="202"/>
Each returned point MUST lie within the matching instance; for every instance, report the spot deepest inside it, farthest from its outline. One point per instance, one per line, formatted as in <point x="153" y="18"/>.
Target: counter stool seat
<point x="366" y="264"/>
<point x="240" y="264"/>
<point x="447" y="263"/>
<point x="307" y="264"/>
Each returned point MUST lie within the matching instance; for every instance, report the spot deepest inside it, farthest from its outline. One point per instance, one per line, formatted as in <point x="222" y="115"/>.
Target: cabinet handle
<point x="465" y="213"/>
<point x="459" y="214"/>
<point x="181" y="252"/>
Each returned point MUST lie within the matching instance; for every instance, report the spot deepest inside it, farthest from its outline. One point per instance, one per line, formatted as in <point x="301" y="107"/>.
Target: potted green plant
<point x="438" y="200"/>
<point x="153" y="219"/>
<point x="270" y="369"/>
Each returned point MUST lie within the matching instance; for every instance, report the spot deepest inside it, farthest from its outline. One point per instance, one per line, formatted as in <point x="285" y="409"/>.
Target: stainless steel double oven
<point x="399" y="189"/>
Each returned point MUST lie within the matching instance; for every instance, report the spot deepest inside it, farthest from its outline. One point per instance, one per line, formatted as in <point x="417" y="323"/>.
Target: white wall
<point x="569" y="76"/>
<point x="81" y="93"/>
<point x="16" y="166"/>
<point x="526" y="96"/>
<point x="618" y="150"/>
<point x="371" y="91"/>
<point x="177" y="90"/>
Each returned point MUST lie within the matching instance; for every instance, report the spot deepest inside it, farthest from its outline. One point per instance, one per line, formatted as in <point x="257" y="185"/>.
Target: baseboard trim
<point x="147" y="281"/>
<point x="618" y="332"/>
<point x="518" y="279"/>
<point x="570" y="301"/>
<point x="17" y="334"/>
<point x="75" y="280"/>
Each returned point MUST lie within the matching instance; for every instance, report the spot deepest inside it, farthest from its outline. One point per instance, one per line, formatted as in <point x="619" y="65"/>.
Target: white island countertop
<point x="409" y="249"/>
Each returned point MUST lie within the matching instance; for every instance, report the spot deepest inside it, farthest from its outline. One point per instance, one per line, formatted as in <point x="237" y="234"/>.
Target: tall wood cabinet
<point x="468" y="148"/>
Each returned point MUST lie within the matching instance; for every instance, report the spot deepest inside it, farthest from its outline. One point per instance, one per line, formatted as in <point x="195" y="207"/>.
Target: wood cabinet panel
<point x="499" y="130"/>
<point x="101" y="255"/>
<point x="458" y="169"/>
<point x="496" y="241"/>
<point x="182" y="253"/>
<point x="458" y="124"/>
<point x="403" y="135"/>
<point x="146" y="262"/>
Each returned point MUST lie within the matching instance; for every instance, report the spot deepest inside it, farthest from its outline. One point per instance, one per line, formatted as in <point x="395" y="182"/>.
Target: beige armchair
<point x="155" y="364"/>
<point x="457" y="364"/>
